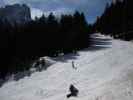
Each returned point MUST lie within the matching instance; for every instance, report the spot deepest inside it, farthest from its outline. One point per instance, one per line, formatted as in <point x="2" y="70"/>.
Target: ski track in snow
<point x="105" y="74"/>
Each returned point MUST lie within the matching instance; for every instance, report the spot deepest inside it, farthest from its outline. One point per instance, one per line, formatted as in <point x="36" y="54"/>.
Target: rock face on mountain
<point x="2" y="3"/>
<point x="15" y="13"/>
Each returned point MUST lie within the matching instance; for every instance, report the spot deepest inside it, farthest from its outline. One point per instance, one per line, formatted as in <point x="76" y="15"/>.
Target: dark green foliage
<point x="117" y="20"/>
<point x="44" y="36"/>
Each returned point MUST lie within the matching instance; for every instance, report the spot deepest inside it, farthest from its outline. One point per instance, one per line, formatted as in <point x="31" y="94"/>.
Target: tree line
<point x="44" y="36"/>
<point x="117" y="20"/>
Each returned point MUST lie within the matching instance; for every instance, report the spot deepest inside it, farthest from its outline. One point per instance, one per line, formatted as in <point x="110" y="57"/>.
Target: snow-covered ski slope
<point x="104" y="72"/>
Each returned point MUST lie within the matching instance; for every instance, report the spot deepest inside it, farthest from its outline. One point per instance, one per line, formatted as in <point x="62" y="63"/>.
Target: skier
<point x="73" y="91"/>
<point x="73" y="66"/>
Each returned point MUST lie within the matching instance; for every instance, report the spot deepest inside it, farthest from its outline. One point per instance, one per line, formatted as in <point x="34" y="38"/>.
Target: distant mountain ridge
<point x="15" y="13"/>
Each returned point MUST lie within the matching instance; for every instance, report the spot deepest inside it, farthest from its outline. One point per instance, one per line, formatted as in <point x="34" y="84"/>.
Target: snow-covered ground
<point x="104" y="72"/>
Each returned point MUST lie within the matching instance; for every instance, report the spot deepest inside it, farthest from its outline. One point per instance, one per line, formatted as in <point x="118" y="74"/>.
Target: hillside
<point x="104" y="72"/>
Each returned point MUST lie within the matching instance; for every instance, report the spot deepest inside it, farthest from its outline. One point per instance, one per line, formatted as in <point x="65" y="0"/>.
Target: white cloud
<point x="60" y="11"/>
<point x="11" y="1"/>
<point x="36" y="13"/>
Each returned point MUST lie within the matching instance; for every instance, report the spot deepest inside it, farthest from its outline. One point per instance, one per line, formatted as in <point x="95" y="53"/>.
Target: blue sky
<point x="91" y="8"/>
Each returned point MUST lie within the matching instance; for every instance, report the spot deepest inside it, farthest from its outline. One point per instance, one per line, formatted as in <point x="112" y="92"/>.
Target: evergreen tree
<point x="117" y="20"/>
<point x="44" y="36"/>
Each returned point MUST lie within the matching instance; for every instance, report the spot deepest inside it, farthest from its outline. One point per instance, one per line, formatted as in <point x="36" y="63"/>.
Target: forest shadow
<point x="65" y="58"/>
<point x="96" y="43"/>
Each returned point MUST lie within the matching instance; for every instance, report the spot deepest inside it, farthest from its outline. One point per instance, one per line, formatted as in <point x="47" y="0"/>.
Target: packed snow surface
<point x="103" y="72"/>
